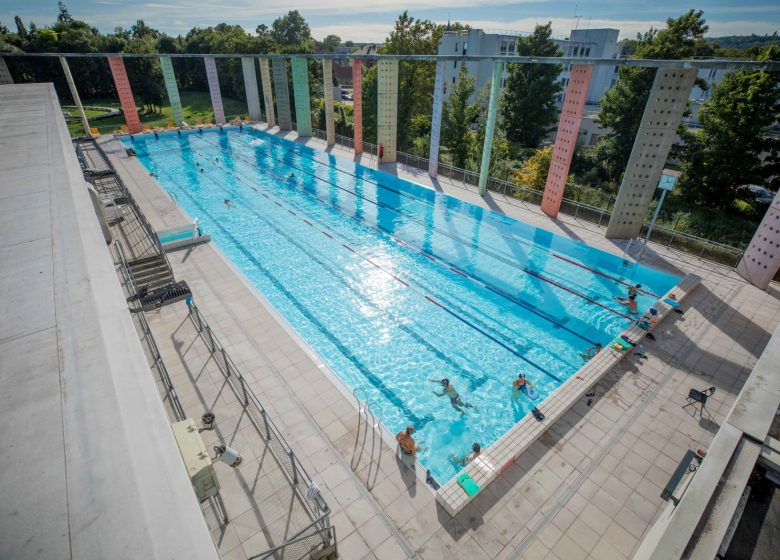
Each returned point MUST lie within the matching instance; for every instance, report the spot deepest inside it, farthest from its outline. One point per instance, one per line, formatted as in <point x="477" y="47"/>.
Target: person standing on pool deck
<point x="381" y="152"/>
<point x="521" y="382"/>
<point x="406" y="443"/>
<point x="634" y="290"/>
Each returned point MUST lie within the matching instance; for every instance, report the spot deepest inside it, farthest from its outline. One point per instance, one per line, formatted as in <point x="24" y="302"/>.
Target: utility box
<point x="196" y="459"/>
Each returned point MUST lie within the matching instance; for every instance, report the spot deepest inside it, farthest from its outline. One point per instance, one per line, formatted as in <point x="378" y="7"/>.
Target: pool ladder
<point x="367" y="417"/>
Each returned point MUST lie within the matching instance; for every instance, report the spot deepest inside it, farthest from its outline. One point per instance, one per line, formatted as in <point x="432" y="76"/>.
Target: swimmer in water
<point x="449" y="390"/>
<point x="629" y="302"/>
<point x="522" y="381"/>
<point x="228" y="203"/>
<point x="476" y="449"/>
<point x="591" y="352"/>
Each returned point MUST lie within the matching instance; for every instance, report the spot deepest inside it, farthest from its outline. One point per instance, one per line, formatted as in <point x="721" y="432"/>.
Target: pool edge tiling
<point x="341" y="162"/>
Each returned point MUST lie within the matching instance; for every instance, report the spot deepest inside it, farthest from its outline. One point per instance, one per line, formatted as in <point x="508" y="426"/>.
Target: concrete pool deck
<point x="588" y="488"/>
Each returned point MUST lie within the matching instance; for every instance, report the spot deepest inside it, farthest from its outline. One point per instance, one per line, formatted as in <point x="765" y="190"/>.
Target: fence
<point x="319" y="534"/>
<point x="517" y="194"/>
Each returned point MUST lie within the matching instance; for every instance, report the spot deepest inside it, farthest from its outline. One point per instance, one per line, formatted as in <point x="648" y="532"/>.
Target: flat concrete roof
<point x="89" y="467"/>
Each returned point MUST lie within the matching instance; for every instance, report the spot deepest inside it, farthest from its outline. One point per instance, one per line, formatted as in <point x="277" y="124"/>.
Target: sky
<point x="371" y="20"/>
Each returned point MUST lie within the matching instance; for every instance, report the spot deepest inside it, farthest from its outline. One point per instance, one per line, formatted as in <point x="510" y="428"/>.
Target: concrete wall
<point x="761" y="260"/>
<point x="283" y="113"/>
<point x="387" y="108"/>
<point x="657" y="131"/>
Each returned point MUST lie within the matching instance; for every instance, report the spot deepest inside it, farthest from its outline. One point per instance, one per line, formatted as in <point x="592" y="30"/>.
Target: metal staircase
<point x="153" y="272"/>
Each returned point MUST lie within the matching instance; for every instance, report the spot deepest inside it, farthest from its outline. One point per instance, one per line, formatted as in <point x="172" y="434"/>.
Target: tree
<point x="533" y="174"/>
<point x="734" y="146"/>
<point x="291" y="29"/>
<point x="331" y="43"/>
<point x="528" y="108"/>
<point x="458" y="115"/>
<point x="262" y="30"/>
<point x="63" y="16"/>
<point x="623" y="105"/>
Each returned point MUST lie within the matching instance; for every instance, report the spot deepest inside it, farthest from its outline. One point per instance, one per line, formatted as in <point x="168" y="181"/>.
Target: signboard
<point x="667" y="182"/>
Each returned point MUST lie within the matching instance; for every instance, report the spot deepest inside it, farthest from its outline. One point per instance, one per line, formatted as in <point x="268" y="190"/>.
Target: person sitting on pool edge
<point x="629" y="302"/>
<point x="406" y="442"/>
<point x="476" y="449"/>
<point x="521" y="382"/>
<point x="449" y="390"/>
<point x="591" y="352"/>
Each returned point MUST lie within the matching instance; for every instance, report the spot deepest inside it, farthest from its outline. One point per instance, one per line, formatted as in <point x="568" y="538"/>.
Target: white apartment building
<point x="583" y="43"/>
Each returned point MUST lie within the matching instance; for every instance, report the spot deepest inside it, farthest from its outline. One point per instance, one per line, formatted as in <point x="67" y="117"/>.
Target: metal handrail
<point x="331" y="530"/>
<point x="514" y="192"/>
<point x="178" y="409"/>
<point x="229" y="368"/>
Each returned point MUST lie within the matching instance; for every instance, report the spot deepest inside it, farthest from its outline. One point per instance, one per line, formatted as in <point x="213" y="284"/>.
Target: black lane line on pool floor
<point x="391" y="397"/>
<point x="280" y="142"/>
<point x="447" y="264"/>
<point x="449" y="304"/>
<point x="403" y="282"/>
<point x="451" y="236"/>
<point x="379" y="267"/>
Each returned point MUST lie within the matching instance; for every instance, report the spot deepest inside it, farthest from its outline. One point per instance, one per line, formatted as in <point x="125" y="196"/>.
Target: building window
<point x="576" y="51"/>
<point x="454" y="63"/>
<point x="453" y="79"/>
<point x="456" y="47"/>
<point x="465" y="47"/>
<point x="587" y="51"/>
<point x="512" y="47"/>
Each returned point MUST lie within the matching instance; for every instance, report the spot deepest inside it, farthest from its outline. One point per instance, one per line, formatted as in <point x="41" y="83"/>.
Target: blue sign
<point x="667" y="182"/>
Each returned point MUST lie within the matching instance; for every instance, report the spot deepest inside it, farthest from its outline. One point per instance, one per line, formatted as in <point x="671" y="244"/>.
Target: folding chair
<point x="699" y="397"/>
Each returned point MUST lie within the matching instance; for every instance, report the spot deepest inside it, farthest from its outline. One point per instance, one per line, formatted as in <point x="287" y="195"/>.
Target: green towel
<point x="468" y="484"/>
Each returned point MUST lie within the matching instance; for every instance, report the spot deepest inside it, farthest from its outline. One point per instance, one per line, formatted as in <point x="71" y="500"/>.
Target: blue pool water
<point x="394" y="285"/>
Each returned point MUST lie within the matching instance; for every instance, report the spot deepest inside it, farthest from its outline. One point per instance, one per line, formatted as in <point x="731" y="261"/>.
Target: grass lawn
<point x="196" y="106"/>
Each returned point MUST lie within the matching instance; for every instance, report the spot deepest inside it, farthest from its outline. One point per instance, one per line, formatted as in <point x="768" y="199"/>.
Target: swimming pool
<point x="394" y="285"/>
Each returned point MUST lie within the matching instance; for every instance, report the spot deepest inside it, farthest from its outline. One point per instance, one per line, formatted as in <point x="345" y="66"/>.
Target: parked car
<point x="346" y="96"/>
<point x="762" y="195"/>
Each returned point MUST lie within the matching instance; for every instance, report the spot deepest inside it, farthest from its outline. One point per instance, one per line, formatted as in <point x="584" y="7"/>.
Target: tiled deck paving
<point x="588" y="488"/>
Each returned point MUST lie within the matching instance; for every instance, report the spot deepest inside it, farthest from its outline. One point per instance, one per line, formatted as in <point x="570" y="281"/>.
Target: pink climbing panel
<point x="126" y="99"/>
<point x="761" y="260"/>
<point x="566" y="137"/>
<point x="357" y="104"/>
<point x="216" y="96"/>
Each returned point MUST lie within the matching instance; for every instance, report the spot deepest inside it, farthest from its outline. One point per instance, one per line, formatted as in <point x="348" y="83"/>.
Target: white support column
<point x="74" y="93"/>
<point x="268" y="94"/>
<point x="495" y="89"/>
<point x="657" y="132"/>
<point x="387" y="109"/>
<point x="250" y="84"/>
<point x="327" y="87"/>
<point x="438" y="97"/>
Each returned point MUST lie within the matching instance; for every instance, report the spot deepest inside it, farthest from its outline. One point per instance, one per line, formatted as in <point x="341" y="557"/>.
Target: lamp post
<point x="666" y="184"/>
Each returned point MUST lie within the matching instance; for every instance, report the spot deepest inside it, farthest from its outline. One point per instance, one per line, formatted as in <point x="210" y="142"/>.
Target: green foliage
<point x="528" y="106"/>
<point x="291" y="29"/>
<point x="331" y="43"/>
<point x="733" y="147"/>
<point x="533" y="173"/>
<point x="623" y="105"/>
<point x="458" y="115"/>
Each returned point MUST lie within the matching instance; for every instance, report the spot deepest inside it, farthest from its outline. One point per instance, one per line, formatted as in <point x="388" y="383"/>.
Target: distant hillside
<point x="745" y="41"/>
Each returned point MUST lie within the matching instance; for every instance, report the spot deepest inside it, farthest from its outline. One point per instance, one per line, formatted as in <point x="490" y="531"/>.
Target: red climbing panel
<point x="566" y="137"/>
<point x="122" y="84"/>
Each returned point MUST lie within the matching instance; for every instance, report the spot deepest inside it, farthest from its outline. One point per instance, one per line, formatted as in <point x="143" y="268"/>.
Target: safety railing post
<point x="295" y="469"/>
<point x="265" y="420"/>
<point x="227" y="364"/>
<point x="211" y="339"/>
